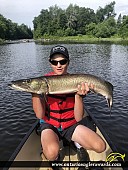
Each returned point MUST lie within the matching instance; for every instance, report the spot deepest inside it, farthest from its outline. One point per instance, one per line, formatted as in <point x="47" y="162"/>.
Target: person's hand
<point x="83" y="88"/>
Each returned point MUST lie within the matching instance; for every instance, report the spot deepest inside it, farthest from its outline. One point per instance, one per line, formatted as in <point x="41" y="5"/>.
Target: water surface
<point x="26" y="60"/>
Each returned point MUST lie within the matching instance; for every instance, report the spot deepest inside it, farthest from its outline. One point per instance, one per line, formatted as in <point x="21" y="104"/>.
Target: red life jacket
<point x="60" y="109"/>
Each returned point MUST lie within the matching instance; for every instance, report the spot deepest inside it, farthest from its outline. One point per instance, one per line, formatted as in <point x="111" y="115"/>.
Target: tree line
<point x="72" y="21"/>
<point x="13" y="31"/>
<point x="75" y="20"/>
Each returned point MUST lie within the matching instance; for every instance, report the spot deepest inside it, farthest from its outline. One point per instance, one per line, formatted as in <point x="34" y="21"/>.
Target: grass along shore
<point x="73" y="39"/>
<point x="83" y="39"/>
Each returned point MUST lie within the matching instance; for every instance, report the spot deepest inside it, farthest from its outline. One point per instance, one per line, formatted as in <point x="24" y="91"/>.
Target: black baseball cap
<point x="59" y="50"/>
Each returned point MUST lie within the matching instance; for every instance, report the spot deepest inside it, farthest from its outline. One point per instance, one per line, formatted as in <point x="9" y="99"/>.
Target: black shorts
<point x="67" y="133"/>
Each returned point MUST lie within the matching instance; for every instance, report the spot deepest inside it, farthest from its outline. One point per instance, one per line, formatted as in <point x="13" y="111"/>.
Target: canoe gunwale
<point x="19" y="147"/>
<point x="113" y="147"/>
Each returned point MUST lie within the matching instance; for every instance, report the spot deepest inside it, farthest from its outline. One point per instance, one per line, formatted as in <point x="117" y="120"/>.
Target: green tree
<point x="72" y="22"/>
<point x="79" y="20"/>
<point x="70" y="32"/>
<point x="106" y="12"/>
<point x="24" y="32"/>
<point x="72" y="10"/>
<point x="105" y="29"/>
<point x="123" y="30"/>
<point x="85" y="17"/>
<point x="102" y="31"/>
<point x="90" y="29"/>
<point x="109" y="10"/>
<point x="57" y="19"/>
<point x="72" y="13"/>
<point x="3" y="27"/>
<point x="62" y="21"/>
<point x="11" y="31"/>
<point x="119" y="21"/>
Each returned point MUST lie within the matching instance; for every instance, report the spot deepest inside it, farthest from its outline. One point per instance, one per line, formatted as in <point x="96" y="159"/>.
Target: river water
<point x="25" y="60"/>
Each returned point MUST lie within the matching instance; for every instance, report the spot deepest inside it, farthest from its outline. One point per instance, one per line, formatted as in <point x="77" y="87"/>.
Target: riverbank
<point x="82" y="39"/>
<point x="70" y="39"/>
<point x="2" y="42"/>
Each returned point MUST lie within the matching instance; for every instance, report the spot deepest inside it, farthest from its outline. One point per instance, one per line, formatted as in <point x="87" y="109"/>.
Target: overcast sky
<point x="24" y="11"/>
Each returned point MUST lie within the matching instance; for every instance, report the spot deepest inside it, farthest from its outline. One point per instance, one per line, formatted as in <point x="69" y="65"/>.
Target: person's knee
<point x="99" y="146"/>
<point x="51" y="152"/>
<point x="50" y="144"/>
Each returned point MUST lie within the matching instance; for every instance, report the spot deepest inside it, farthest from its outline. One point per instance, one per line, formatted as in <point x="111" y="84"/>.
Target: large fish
<point x="62" y="84"/>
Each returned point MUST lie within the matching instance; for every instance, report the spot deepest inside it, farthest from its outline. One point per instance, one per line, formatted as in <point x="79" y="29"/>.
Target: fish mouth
<point x="15" y="86"/>
<point x="9" y="85"/>
<point x="23" y="87"/>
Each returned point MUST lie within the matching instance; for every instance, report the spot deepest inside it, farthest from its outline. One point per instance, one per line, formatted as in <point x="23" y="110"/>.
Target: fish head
<point x="29" y="85"/>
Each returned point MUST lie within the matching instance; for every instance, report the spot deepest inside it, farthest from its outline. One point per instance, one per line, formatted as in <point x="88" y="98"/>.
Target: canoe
<point x="27" y="154"/>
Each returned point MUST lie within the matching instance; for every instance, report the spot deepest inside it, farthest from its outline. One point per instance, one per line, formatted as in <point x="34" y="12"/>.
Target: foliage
<point x="105" y="29"/>
<point x="106" y="12"/>
<point x="12" y="31"/>
<point x="71" y="21"/>
<point x="123" y="29"/>
<point x="77" y="20"/>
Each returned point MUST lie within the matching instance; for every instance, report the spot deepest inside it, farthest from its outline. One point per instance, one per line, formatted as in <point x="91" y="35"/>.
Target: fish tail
<point x="109" y="101"/>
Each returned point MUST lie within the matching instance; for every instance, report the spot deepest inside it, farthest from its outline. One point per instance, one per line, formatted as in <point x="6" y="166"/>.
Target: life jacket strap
<point x="61" y="120"/>
<point x="59" y="111"/>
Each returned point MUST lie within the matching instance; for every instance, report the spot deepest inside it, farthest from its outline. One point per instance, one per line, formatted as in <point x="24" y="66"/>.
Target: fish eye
<point x="26" y="81"/>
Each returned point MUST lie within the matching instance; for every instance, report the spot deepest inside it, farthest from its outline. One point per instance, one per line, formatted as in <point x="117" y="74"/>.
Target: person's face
<point x="59" y="68"/>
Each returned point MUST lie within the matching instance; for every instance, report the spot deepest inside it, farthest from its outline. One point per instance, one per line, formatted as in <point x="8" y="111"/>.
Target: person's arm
<point x="38" y="103"/>
<point x="78" y="108"/>
<point x="83" y="89"/>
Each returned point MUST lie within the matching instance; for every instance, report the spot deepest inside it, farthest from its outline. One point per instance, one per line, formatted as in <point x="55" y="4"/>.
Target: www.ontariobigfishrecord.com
<point x="86" y="164"/>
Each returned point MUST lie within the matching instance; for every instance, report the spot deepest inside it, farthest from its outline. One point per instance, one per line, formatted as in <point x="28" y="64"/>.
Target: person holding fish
<point x="62" y="115"/>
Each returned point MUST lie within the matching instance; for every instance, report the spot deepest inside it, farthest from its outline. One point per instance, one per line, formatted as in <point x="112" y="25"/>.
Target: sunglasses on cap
<point x="55" y="62"/>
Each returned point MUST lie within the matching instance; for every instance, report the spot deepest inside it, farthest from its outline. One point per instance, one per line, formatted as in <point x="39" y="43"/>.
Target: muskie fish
<point x="62" y="84"/>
